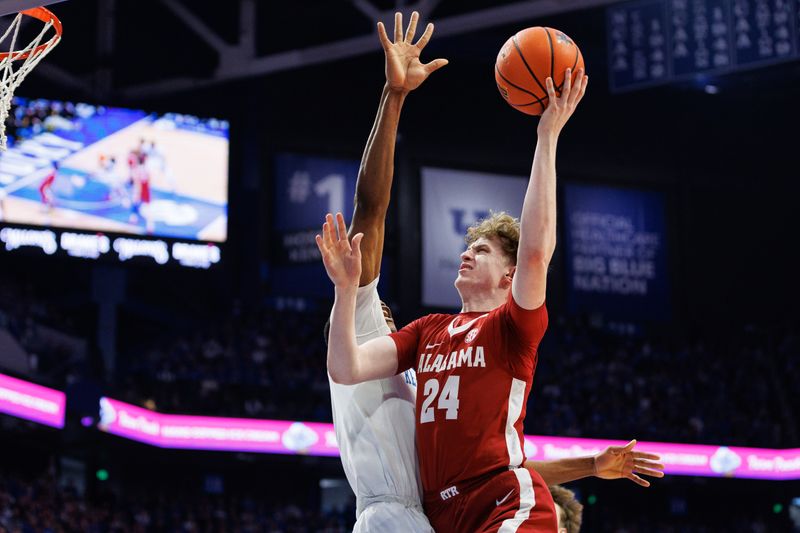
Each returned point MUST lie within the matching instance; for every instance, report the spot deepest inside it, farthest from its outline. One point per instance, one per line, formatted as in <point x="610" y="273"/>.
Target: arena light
<point x="317" y="439"/>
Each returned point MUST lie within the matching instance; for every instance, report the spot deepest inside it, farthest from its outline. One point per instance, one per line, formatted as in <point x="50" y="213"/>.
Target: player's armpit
<point x="524" y="330"/>
<point x="529" y="286"/>
<point x="406" y="341"/>
<point x="529" y="324"/>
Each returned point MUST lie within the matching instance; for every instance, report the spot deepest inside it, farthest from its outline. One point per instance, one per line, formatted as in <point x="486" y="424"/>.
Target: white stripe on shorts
<point x="527" y="501"/>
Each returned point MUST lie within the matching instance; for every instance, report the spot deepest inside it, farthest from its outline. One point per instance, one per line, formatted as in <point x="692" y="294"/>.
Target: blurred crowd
<point x="54" y="351"/>
<point x="27" y="118"/>
<point x="42" y="505"/>
<point x="258" y="364"/>
<point x="731" y="387"/>
<point x="734" y="387"/>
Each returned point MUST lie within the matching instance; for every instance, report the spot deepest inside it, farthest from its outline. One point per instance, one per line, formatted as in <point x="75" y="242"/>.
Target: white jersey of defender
<point x="374" y="423"/>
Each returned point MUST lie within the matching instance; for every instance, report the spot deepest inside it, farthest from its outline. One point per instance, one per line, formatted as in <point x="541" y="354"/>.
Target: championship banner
<point x="654" y="42"/>
<point x="453" y="200"/>
<point x="306" y="188"/>
<point x="319" y="439"/>
<point x="32" y="402"/>
<point x="615" y="242"/>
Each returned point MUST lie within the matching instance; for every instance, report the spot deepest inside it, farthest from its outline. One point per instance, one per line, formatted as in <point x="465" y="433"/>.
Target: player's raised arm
<point x="349" y="363"/>
<point x="537" y="240"/>
<point x="404" y="73"/>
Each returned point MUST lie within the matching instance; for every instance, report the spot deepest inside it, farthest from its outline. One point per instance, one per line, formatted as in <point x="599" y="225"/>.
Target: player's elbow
<point x="341" y="374"/>
<point x="371" y="210"/>
<point x="534" y="256"/>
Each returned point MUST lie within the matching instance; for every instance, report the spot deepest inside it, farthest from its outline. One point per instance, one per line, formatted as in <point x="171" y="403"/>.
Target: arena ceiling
<point x="151" y="48"/>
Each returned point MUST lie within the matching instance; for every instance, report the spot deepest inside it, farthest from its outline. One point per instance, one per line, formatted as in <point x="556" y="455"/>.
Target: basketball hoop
<point x="29" y="56"/>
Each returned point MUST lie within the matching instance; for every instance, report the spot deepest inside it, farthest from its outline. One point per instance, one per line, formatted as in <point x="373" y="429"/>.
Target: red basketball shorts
<point x="503" y="502"/>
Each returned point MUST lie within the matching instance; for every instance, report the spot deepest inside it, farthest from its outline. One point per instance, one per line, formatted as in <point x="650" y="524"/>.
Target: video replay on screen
<point x="106" y="169"/>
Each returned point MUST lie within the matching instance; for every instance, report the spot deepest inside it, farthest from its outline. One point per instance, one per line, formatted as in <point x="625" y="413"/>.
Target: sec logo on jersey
<point x="471" y="335"/>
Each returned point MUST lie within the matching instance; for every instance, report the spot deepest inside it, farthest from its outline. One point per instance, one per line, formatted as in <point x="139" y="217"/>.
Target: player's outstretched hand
<point x="617" y="462"/>
<point x="560" y="108"/>
<point x="341" y="258"/>
<point x="404" y="71"/>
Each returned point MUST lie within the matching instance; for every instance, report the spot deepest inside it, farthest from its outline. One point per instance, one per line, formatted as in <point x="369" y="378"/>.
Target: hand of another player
<point x="560" y="108"/>
<point x="617" y="462"/>
<point x="404" y="71"/>
<point x="342" y="259"/>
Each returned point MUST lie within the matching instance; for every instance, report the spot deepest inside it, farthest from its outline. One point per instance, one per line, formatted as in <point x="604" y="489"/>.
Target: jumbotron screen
<point x="95" y="175"/>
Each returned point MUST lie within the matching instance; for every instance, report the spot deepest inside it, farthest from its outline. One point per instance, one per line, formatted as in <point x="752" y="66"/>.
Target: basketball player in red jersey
<point x="144" y="193"/>
<point x="45" y="189"/>
<point x="474" y="369"/>
<point x="133" y="183"/>
<point x="367" y="418"/>
<point x="140" y="181"/>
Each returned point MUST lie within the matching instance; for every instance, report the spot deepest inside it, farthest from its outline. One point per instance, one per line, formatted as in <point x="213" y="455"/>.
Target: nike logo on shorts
<point x="498" y="502"/>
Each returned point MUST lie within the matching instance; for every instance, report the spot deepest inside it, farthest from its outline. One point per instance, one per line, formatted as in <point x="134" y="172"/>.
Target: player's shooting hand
<point x="560" y="108"/>
<point x="617" y="462"/>
<point x="342" y="259"/>
<point x="404" y="71"/>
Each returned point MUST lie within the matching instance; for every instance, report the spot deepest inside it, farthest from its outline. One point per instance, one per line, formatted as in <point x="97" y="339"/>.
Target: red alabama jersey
<point x="474" y="374"/>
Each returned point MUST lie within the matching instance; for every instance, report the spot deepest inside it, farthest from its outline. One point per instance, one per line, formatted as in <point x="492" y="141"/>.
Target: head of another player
<point x="489" y="262"/>
<point x="568" y="509"/>
<point x="387" y="315"/>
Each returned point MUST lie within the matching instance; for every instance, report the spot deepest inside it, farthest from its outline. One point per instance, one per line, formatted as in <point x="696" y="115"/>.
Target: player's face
<point x="484" y="265"/>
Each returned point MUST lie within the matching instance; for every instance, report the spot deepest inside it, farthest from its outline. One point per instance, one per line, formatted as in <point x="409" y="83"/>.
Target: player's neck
<point x="482" y="301"/>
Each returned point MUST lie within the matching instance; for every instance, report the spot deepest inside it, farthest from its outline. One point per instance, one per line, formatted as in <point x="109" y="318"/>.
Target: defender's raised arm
<point x="404" y="73"/>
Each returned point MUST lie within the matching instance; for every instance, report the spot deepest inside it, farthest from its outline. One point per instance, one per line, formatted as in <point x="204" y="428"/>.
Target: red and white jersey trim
<point x="516" y="398"/>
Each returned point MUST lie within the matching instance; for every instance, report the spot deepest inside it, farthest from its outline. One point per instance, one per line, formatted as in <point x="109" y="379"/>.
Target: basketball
<point x="527" y="59"/>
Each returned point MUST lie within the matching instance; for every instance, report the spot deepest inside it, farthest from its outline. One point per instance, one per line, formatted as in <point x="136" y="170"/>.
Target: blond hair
<point x="500" y="226"/>
<point x="572" y="508"/>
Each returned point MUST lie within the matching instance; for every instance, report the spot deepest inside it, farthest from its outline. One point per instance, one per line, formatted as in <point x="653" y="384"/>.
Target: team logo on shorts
<point x="471" y="335"/>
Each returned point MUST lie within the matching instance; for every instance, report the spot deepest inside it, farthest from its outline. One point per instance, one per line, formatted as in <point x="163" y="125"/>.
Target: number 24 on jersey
<point x="448" y="399"/>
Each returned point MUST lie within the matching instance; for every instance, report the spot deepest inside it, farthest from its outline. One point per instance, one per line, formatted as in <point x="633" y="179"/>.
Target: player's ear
<point x="508" y="277"/>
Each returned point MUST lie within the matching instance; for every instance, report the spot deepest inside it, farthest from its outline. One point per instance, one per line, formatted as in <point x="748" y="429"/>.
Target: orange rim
<point x="45" y="15"/>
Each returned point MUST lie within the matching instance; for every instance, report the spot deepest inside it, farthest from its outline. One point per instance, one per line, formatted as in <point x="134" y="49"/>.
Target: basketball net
<point x="17" y="63"/>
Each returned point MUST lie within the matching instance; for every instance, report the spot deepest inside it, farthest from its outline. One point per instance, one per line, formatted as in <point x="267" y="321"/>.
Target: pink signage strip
<point x="32" y="402"/>
<point x="213" y="433"/>
<point x="682" y="459"/>
<point x="278" y="436"/>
